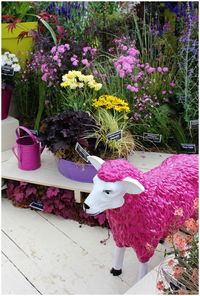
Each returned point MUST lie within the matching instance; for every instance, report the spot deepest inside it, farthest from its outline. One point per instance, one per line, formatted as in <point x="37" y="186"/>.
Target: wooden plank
<point x="90" y="239"/>
<point x="53" y="262"/>
<point x="47" y="174"/>
<point x="13" y="281"/>
<point x="147" y="285"/>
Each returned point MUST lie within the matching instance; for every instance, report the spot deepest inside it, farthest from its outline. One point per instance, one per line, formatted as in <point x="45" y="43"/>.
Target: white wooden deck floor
<point x="46" y="254"/>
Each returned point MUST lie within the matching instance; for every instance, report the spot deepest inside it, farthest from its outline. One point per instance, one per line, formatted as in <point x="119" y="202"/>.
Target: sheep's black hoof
<point x="162" y="241"/>
<point x="115" y="272"/>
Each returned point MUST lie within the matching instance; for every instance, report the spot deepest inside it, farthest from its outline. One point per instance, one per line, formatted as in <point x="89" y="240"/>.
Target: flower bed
<point x="59" y="202"/>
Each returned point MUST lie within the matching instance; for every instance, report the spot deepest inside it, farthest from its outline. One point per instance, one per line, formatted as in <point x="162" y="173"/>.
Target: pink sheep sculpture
<point x="141" y="207"/>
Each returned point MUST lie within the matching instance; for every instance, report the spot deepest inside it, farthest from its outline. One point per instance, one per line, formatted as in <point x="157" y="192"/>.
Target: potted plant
<point x="19" y="28"/>
<point x="73" y="135"/>
<point x="9" y="68"/>
<point x="179" y="273"/>
<point x="61" y="133"/>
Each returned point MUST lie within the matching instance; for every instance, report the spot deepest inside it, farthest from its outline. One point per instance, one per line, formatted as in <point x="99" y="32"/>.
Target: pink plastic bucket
<point x="27" y="150"/>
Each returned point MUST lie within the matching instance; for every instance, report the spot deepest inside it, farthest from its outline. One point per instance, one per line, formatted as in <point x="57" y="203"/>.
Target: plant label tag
<point x="188" y="148"/>
<point x="115" y="136"/>
<point x="194" y="124"/>
<point x="156" y="138"/>
<point x="36" y="205"/>
<point x="7" y="71"/>
<point x="82" y="152"/>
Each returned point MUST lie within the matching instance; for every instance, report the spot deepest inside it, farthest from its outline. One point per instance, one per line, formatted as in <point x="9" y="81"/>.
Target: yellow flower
<point x="74" y="79"/>
<point x="111" y="102"/>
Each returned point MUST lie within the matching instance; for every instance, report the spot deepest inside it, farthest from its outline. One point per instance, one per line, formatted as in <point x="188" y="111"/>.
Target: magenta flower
<point x="67" y="46"/>
<point x="159" y="69"/>
<point x="55" y="58"/>
<point x="75" y="63"/>
<point x="163" y="92"/>
<point x="53" y="50"/>
<point x="172" y="84"/>
<point x="85" y="62"/>
<point x="165" y="69"/>
<point x="121" y="73"/>
<point x="150" y="70"/>
<point x="61" y="49"/>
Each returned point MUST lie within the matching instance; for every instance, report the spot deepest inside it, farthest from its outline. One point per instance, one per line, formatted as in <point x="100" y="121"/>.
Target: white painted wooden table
<point x="49" y="175"/>
<point x="46" y="254"/>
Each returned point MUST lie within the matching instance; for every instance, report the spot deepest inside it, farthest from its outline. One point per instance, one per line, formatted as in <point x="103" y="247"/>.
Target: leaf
<point x="49" y="28"/>
<point x="21" y="36"/>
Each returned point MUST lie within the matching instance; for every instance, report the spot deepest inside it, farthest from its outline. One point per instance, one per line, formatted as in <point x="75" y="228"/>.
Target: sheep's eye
<point x="107" y="191"/>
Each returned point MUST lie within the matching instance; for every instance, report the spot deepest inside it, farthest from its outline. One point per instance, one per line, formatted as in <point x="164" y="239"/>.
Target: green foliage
<point x="17" y="9"/>
<point x="108" y="123"/>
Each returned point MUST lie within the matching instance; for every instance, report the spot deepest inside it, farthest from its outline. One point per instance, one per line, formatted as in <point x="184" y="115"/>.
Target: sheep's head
<point x="109" y="194"/>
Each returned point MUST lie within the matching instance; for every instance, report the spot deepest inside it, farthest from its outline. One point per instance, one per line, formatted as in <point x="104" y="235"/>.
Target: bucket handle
<point x="26" y="130"/>
<point x="14" y="147"/>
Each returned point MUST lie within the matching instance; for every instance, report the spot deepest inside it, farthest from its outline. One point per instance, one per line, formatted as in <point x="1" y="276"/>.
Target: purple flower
<point x="163" y="92"/>
<point x="172" y="84"/>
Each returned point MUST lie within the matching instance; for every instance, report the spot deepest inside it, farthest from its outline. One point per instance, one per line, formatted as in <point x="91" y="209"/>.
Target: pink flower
<point x="43" y="67"/>
<point x="75" y="63"/>
<point x="172" y="84"/>
<point x="165" y="69"/>
<point x="93" y="51"/>
<point x="111" y="49"/>
<point x="124" y="47"/>
<point x="53" y="50"/>
<point x="61" y="49"/>
<point x="45" y="77"/>
<point x="160" y="285"/>
<point x="66" y="45"/>
<point x="85" y="62"/>
<point x="132" y="88"/>
<point x="133" y="52"/>
<point x="86" y="49"/>
<point x="159" y="69"/>
<point x="163" y="92"/>
<point x="121" y="73"/>
<point x="55" y="58"/>
<point x="150" y="70"/>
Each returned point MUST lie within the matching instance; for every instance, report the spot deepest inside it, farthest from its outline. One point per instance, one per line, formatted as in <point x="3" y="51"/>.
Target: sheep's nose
<point x="85" y="206"/>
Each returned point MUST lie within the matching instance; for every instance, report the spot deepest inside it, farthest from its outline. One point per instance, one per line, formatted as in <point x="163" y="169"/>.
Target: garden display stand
<point x="48" y="174"/>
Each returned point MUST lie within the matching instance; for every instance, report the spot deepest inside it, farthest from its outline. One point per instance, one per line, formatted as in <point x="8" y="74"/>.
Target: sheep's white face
<point x="109" y="195"/>
<point x="105" y="195"/>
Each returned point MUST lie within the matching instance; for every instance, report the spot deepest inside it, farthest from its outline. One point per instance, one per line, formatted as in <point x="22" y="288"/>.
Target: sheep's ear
<point x="132" y="186"/>
<point x="95" y="161"/>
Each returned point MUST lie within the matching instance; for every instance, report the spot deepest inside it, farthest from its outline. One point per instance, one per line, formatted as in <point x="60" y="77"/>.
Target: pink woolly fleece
<point x="146" y="218"/>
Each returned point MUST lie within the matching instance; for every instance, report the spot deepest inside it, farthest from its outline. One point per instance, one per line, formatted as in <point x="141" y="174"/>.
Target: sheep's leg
<point x="142" y="271"/>
<point x="118" y="261"/>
